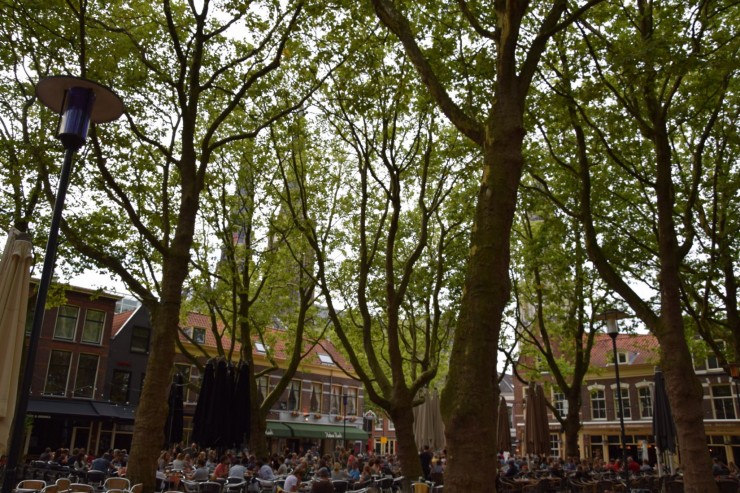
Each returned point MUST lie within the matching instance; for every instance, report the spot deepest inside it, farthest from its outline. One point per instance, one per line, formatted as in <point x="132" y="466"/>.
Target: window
<point x="351" y="408"/>
<point x="561" y="404"/>
<point x="87" y="371"/>
<point x="391" y="425"/>
<point x="92" y="331"/>
<point x="646" y="402"/>
<point x="199" y="335"/>
<point x="623" y="358"/>
<point x="625" y="392"/>
<point x="294" y="396"/>
<point x="315" y="397"/>
<point x="66" y="322"/>
<point x="598" y="404"/>
<point x="263" y="387"/>
<point x="722" y="402"/>
<point x="335" y="400"/>
<point x="260" y="347"/>
<point x="325" y="359"/>
<point x="554" y="445"/>
<point x="119" y="386"/>
<point x="712" y="361"/>
<point x="379" y="423"/>
<point x="56" y="377"/>
<point x="140" y="339"/>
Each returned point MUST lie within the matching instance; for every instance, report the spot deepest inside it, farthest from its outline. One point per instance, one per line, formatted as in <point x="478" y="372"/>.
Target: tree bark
<point x="408" y="456"/>
<point x="470" y="397"/>
<point x="572" y="427"/>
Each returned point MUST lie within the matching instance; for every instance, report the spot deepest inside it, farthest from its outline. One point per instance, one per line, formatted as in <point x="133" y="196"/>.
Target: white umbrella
<point x="15" y="277"/>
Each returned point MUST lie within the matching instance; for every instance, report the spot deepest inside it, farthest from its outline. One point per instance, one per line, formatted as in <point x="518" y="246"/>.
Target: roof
<point x="506" y="384"/>
<point x="120" y="319"/>
<point x="274" y="338"/>
<point x="642" y="349"/>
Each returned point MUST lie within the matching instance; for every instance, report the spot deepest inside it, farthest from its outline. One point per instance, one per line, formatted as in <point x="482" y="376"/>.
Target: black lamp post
<point x="78" y="102"/>
<point x="344" y="420"/>
<point x="611" y="317"/>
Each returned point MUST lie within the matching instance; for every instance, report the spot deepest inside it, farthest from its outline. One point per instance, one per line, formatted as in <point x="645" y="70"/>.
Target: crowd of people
<point x="196" y="464"/>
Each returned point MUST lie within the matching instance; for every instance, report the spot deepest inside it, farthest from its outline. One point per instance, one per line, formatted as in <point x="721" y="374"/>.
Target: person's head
<point x="201" y="462"/>
<point x="336" y="467"/>
<point x="224" y="459"/>
<point x="323" y="473"/>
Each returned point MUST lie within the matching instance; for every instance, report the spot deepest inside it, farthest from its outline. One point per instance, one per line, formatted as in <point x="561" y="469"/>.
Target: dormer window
<point x="199" y="335"/>
<point x="325" y="359"/>
<point x="260" y="347"/>
<point x="623" y="358"/>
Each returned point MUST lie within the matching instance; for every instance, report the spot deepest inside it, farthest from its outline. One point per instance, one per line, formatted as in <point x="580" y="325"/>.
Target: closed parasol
<point x="15" y="274"/>
<point x="536" y="427"/>
<point x="504" y="427"/>
<point x="664" y="428"/>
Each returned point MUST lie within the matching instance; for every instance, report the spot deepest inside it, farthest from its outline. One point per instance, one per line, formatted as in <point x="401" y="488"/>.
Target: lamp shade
<point x="610" y="317"/>
<point x="52" y="90"/>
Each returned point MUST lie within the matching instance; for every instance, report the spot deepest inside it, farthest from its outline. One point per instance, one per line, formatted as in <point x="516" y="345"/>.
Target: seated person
<point x="200" y="473"/>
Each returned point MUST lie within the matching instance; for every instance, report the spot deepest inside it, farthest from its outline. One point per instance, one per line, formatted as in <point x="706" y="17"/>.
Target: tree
<point x="497" y="62"/>
<point x="381" y="207"/>
<point x="191" y="88"/>
<point x="639" y="183"/>
<point x="554" y="291"/>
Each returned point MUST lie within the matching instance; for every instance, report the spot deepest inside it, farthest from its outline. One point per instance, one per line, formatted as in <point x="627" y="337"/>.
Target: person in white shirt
<point x="293" y="481"/>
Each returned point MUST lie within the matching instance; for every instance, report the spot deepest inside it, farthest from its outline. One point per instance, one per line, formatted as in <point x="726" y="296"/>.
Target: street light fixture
<point x="78" y="102"/>
<point x="611" y="317"/>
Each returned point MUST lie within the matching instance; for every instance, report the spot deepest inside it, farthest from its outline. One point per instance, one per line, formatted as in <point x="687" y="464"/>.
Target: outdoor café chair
<point x="30" y="486"/>
<point x="137" y="488"/>
<point x="340" y="485"/>
<point x="63" y="484"/>
<point x="210" y="487"/>
<point x="95" y="478"/>
<point x="81" y="488"/>
<point x="50" y="488"/>
<point x="116" y="483"/>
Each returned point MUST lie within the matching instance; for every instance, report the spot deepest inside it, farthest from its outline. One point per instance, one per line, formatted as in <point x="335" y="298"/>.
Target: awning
<point x="279" y="430"/>
<point x="115" y="411"/>
<point x="311" y="430"/>
<point x="48" y="407"/>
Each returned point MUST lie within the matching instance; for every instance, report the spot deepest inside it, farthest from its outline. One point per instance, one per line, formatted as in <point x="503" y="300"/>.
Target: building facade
<point x="638" y="357"/>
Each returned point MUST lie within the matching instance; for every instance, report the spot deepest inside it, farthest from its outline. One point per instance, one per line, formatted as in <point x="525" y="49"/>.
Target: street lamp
<point x="611" y="317"/>
<point x="78" y="102"/>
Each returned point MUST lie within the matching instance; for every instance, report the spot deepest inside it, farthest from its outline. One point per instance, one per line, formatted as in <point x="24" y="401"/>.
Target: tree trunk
<point x="408" y="455"/>
<point x="151" y="413"/>
<point x="572" y="427"/>
<point x="685" y="393"/>
<point x="469" y="399"/>
<point x="257" y="429"/>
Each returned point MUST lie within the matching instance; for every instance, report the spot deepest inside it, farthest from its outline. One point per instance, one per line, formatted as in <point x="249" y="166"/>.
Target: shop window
<point x="87" y="371"/>
<point x="58" y="373"/>
<point x="120" y="386"/>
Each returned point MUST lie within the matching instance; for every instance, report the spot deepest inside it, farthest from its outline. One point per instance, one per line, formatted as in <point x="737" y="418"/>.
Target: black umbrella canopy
<point x="504" y="427"/>
<point x="241" y="406"/>
<point x="174" y="424"/>
<point x="664" y="428"/>
<point x="201" y="417"/>
<point x="219" y="406"/>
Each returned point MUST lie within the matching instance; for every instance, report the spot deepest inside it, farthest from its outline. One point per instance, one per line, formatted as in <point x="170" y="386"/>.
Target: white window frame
<point x="625" y="400"/>
<point x="725" y="398"/>
<point x="74" y="330"/>
<point x="95" y="376"/>
<point x="592" y="390"/>
<point x="641" y="388"/>
<point x="102" y="327"/>
<point x="560" y="403"/>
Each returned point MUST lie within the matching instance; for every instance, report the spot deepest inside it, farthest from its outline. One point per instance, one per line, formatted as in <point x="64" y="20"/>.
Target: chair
<point x="210" y="487"/>
<point x="439" y="488"/>
<point x="674" y="486"/>
<point x="30" y="486"/>
<point x="63" y="484"/>
<point x="727" y="485"/>
<point x="50" y="488"/>
<point x="383" y="485"/>
<point x="81" y="488"/>
<point x="116" y="490"/>
<point x="190" y="486"/>
<point x="237" y="486"/>
<point x="95" y="478"/>
<point x="265" y="485"/>
<point x="116" y="483"/>
<point x="420" y="488"/>
<point x="340" y="485"/>
<point x="361" y="490"/>
<point x="137" y="488"/>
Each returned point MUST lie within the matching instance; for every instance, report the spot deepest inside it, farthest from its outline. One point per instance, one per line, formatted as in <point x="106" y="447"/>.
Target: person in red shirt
<point x="222" y="469"/>
<point x="632" y="466"/>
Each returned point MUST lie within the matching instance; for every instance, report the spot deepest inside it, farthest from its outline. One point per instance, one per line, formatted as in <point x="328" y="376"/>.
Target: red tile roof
<point x="641" y="348"/>
<point x="120" y="319"/>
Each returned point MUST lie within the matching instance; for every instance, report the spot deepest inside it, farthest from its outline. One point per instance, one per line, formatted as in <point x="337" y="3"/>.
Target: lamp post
<point x="344" y="414"/>
<point x="611" y="317"/>
<point x="78" y="102"/>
